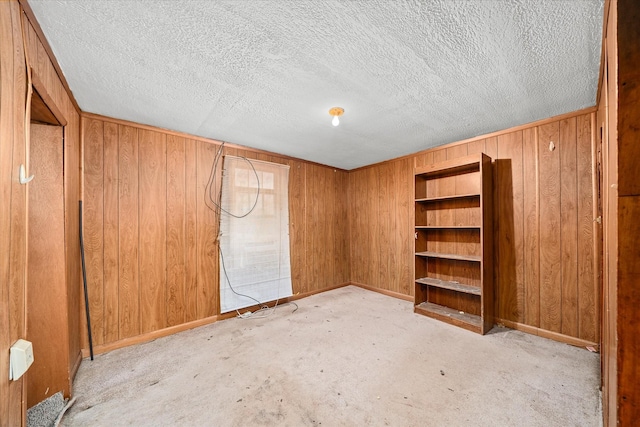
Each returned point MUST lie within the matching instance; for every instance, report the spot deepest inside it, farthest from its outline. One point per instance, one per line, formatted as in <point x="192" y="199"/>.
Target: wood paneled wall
<point x="544" y="241"/>
<point x="381" y="202"/>
<point x="13" y="196"/>
<point x="13" y="206"/>
<point x="151" y="240"/>
<point x="607" y="132"/>
<point x="52" y="90"/>
<point x="619" y="115"/>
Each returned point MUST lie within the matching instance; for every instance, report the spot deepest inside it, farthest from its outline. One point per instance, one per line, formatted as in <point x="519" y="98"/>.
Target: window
<point x="254" y="233"/>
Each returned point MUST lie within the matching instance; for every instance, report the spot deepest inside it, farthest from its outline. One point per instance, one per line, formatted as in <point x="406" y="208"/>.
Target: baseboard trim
<point x="76" y="366"/>
<point x="150" y="336"/>
<point x="547" y="334"/>
<point x="281" y="301"/>
<point x="383" y="291"/>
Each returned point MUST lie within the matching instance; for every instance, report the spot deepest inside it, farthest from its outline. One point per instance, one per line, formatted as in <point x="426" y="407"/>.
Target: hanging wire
<point x="208" y="196"/>
<point x="217" y="208"/>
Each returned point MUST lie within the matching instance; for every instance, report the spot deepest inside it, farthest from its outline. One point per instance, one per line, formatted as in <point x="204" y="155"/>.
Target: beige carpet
<point x="348" y="357"/>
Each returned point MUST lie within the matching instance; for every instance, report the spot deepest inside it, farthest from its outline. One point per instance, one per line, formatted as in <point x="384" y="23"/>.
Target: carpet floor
<point x="347" y="357"/>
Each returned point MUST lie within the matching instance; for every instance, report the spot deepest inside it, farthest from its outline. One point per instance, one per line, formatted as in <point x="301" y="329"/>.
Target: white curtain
<point x="255" y="265"/>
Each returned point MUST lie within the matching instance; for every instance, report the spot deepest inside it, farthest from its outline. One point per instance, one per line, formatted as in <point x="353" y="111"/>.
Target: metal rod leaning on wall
<point x="84" y="280"/>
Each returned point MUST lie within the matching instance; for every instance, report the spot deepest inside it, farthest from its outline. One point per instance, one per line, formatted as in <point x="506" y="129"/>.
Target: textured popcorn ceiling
<point x="409" y="74"/>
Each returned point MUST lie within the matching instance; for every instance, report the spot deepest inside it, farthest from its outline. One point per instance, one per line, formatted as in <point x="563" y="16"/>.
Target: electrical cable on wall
<point x="212" y="176"/>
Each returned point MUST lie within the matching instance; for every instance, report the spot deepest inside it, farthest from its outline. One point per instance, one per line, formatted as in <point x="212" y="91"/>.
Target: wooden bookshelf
<point x="453" y="242"/>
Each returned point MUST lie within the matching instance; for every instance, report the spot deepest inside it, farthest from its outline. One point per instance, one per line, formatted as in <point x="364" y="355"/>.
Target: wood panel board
<point x="531" y="227"/>
<point x="46" y="287"/>
<point x="111" y="234"/>
<point x="588" y="279"/>
<point x="93" y="224"/>
<point x="176" y="227"/>
<point x="152" y="214"/>
<point x="191" y="231"/>
<point x="297" y="203"/>
<point x="509" y="210"/>
<point x="550" y="230"/>
<point x="569" y="226"/>
<point x="207" y="240"/>
<point x="13" y="207"/>
<point x="128" y="231"/>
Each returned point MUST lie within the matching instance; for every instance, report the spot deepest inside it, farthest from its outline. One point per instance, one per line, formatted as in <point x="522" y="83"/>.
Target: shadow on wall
<point x="507" y="305"/>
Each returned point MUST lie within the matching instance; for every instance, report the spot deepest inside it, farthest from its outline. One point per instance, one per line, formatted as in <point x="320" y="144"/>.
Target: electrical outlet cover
<point x="21" y="357"/>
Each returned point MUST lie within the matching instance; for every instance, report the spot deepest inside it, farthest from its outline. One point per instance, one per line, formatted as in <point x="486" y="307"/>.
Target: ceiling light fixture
<point x="336" y="112"/>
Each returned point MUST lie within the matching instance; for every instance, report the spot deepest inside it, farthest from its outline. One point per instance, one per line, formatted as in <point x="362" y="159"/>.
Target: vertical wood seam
<point x="138" y="248"/>
<point x="577" y="220"/>
<point x="184" y="232"/>
<point x="536" y="139"/>
<point x="166" y="246"/>
<point x="597" y="272"/>
<point x="104" y="317"/>
<point x="559" y="178"/>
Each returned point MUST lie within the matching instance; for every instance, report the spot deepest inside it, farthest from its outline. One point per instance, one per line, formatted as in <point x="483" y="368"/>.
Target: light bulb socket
<point x="336" y="112"/>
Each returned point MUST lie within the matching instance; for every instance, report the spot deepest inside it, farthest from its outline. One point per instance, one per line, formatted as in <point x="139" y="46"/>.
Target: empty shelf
<point x="454" y="286"/>
<point x="428" y="254"/>
<point x="466" y="320"/>
<point x="452" y="197"/>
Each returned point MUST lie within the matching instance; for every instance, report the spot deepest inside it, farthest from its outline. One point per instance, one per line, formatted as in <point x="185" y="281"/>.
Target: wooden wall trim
<point x="547" y="334"/>
<point x="41" y="88"/>
<point x="282" y="301"/>
<point x="383" y="291"/>
<point x="26" y="8"/>
<point x="517" y="128"/>
<point x="597" y="227"/>
<point x="76" y="365"/>
<point x="199" y="138"/>
<point x="626" y="197"/>
<point x="149" y="336"/>
<point x="603" y="50"/>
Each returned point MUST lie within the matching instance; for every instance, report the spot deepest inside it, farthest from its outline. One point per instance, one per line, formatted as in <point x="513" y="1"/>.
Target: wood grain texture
<point x="550" y="237"/>
<point x="110" y="230"/>
<point x="15" y="92"/>
<point x="628" y="201"/>
<point x="128" y="266"/>
<point x="93" y="216"/>
<point x="72" y="234"/>
<point x="191" y="231"/>
<point x="10" y="391"/>
<point x="628" y="299"/>
<point x="569" y="226"/>
<point x="588" y="282"/>
<point x="152" y="237"/>
<point x="13" y="215"/>
<point x="207" y="238"/>
<point x="607" y="134"/>
<point x="404" y="228"/>
<point x="382" y="233"/>
<point x="46" y="284"/>
<point x="531" y="227"/>
<point x="297" y="235"/>
<point x="14" y="205"/>
<point x="176" y="223"/>
<point x="488" y="249"/>
<point x="510" y="303"/>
